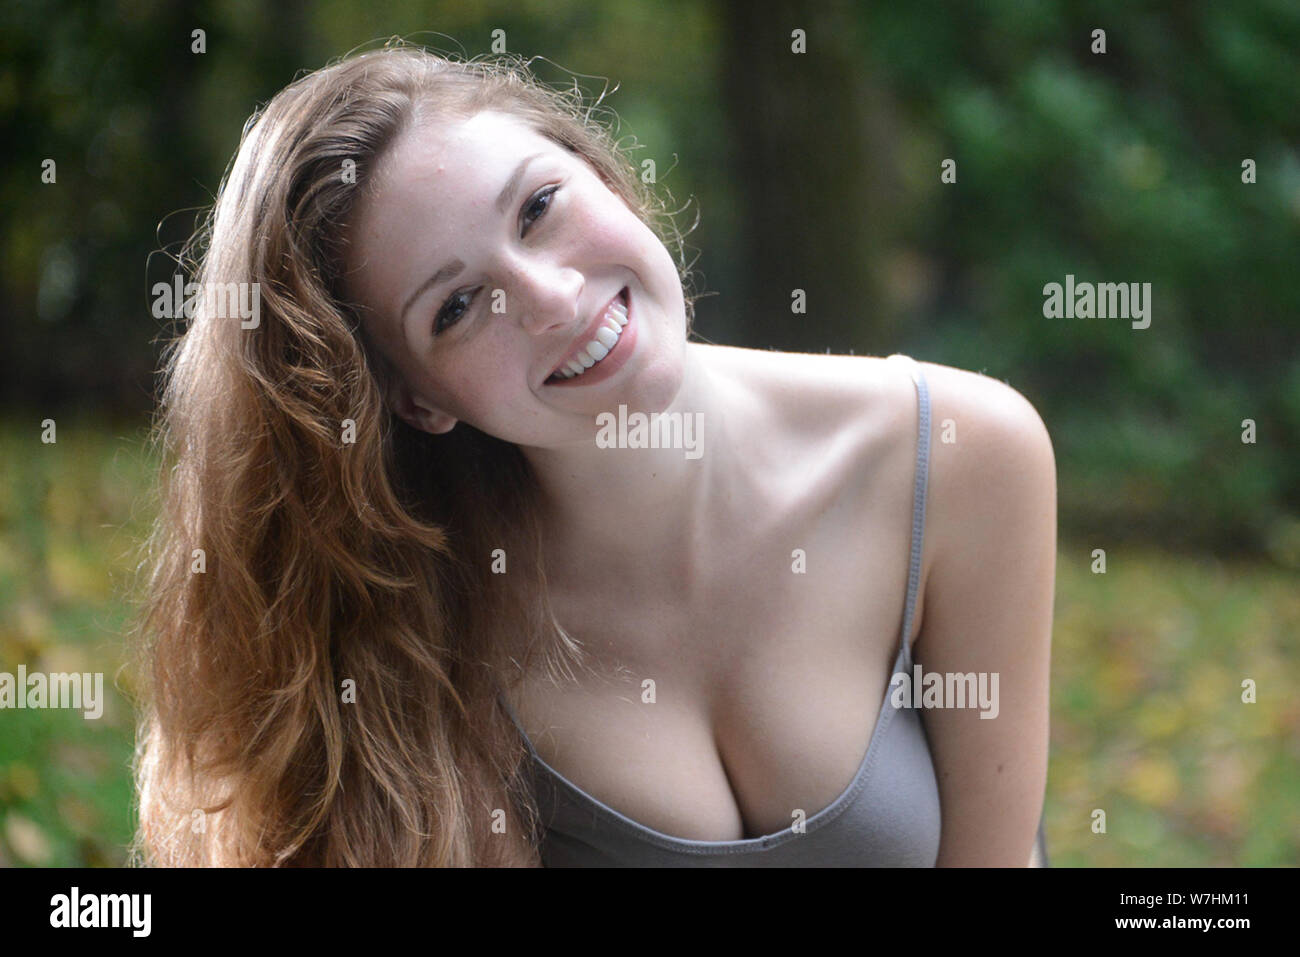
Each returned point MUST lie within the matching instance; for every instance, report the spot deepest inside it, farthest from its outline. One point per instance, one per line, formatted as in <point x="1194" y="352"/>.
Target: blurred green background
<point x="818" y="171"/>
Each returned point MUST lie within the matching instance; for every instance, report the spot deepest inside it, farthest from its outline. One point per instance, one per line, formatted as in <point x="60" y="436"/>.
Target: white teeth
<point x="606" y="336"/>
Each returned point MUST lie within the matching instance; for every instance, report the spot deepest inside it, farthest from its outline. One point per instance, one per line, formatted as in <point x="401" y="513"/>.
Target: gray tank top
<point x="888" y="816"/>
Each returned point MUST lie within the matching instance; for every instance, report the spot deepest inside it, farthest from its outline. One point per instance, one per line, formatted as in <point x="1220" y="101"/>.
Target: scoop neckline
<point x="745" y="844"/>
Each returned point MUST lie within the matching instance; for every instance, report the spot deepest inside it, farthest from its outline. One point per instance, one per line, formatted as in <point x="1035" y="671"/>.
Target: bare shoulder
<point x="813" y="392"/>
<point x="988" y="600"/>
<point x="991" y="458"/>
<point x="984" y="402"/>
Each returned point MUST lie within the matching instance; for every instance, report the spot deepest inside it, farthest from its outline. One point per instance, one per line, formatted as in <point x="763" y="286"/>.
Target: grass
<point x="1148" y="722"/>
<point x="1148" y="719"/>
<point x="69" y="516"/>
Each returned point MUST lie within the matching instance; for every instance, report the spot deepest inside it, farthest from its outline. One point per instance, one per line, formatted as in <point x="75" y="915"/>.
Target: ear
<point x="417" y="412"/>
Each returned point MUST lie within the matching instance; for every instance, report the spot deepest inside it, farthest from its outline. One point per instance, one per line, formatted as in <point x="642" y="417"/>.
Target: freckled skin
<point x="435" y="201"/>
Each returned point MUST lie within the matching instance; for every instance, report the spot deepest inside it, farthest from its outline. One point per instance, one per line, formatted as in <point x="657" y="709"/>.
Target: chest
<point x="719" y="717"/>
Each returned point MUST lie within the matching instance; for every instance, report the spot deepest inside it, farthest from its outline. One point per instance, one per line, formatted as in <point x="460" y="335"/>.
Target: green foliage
<point x="1120" y="167"/>
<point x="1123" y="166"/>
<point x="1148" y="722"/>
<point x="71" y="516"/>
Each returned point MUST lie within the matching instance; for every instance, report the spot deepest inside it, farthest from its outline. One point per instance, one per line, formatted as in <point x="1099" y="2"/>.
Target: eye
<point x="449" y="315"/>
<point x="533" y="204"/>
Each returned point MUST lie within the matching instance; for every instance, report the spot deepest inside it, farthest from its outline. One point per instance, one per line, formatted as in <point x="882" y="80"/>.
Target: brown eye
<point x="536" y="202"/>
<point x="447" y="315"/>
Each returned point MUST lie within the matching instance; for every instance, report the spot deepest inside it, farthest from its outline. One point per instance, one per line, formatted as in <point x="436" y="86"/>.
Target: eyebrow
<point x="453" y="268"/>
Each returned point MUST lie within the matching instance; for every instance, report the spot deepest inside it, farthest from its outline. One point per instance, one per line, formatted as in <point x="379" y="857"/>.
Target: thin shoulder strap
<point x="919" y="489"/>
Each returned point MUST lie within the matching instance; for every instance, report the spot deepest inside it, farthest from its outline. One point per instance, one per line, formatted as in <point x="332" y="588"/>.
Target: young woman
<point x="409" y="607"/>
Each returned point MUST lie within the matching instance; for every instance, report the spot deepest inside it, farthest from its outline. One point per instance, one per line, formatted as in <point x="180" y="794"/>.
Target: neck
<point x="636" y="511"/>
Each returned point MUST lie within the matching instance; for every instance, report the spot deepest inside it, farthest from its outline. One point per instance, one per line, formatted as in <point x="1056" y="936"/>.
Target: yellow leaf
<point x="1154" y="781"/>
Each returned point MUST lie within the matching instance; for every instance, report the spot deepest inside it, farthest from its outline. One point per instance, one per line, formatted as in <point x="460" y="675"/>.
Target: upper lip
<point x="588" y="334"/>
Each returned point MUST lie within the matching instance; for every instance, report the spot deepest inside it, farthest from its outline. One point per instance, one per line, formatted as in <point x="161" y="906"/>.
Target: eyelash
<point x="438" y="324"/>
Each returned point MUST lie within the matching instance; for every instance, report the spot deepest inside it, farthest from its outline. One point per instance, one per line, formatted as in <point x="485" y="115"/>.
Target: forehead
<point x="430" y="192"/>
<point x="453" y="155"/>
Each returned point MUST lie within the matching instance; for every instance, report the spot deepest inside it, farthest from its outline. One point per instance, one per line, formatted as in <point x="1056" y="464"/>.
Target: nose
<point x="546" y="297"/>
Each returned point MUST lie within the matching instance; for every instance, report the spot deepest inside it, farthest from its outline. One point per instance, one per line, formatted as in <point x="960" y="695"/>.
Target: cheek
<point x="606" y="223"/>
<point x="482" y="386"/>
<point x="640" y="238"/>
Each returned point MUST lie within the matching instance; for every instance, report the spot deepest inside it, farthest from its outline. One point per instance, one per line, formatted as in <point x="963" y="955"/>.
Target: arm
<point x="988" y="608"/>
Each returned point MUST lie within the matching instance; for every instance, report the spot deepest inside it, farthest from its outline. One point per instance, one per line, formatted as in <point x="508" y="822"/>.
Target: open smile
<point x="604" y="347"/>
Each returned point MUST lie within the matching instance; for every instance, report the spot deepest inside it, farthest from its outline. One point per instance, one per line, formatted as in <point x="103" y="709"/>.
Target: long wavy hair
<point x="321" y="636"/>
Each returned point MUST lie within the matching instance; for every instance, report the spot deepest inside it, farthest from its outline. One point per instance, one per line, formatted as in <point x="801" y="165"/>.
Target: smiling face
<point x="484" y="258"/>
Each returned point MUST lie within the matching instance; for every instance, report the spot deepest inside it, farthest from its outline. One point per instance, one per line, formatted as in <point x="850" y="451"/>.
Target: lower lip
<point x="612" y="362"/>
